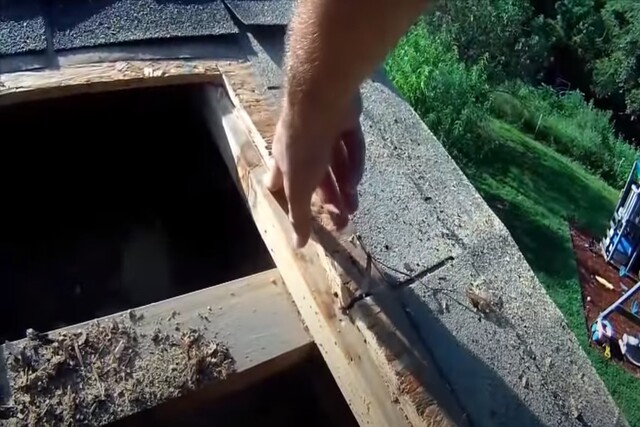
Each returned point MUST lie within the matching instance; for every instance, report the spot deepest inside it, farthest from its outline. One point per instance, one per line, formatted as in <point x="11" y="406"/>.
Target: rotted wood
<point x="377" y="359"/>
<point x="106" y="76"/>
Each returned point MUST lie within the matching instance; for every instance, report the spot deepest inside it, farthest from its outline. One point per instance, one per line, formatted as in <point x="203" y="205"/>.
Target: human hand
<point x="310" y="154"/>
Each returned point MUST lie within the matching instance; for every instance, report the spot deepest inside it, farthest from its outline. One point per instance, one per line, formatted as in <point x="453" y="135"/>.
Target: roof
<point x="416" y="206"/>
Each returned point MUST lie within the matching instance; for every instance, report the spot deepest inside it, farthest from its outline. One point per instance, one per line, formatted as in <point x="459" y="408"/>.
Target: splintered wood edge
<point x="103" y="77"/>
<point x="386" y="388"/>
<point x="402" y="365"/>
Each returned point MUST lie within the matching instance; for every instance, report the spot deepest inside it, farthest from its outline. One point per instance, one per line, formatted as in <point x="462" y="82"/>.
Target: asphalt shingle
<point x="80" y="23"/>
<point x="262" y="12"/>
<point x="22" y="27"/>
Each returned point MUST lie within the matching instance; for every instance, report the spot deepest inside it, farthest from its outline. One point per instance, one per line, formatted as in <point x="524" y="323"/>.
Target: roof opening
<point x="111" y="201"/>
<point x="303" y="394"/>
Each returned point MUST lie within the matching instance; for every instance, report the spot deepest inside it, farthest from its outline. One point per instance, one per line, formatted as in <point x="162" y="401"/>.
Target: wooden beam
<point x="253" y="316"/>
<point x="383" y="371"/>
<point x="106" y="76"/>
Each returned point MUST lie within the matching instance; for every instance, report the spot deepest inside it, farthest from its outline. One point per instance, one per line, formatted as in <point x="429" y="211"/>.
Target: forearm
<point x="334" y="45"/>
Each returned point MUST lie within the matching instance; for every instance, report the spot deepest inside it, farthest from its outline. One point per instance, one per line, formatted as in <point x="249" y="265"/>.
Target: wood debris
<point x="482" y="300"/>
<point x="106" y="371"/>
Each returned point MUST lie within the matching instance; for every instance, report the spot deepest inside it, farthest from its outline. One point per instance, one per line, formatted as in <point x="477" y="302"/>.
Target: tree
<point x="617" y="70"/>
<point x="506" y="33"/>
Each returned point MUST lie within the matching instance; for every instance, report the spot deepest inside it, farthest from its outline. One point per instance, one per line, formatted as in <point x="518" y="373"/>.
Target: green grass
<point x="513" y="164"/>
<point x="534" y="190"/>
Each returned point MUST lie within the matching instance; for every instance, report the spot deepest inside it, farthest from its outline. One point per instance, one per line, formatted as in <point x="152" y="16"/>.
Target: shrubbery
<point x="451" y="97"/>
<point x="455" y="99"/>
<point x="569" y="124"/>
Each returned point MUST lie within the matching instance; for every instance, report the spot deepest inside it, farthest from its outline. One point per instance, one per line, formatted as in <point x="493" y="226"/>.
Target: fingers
<point x="347" y="198"/>
<point x="274" y="179"/>
<point x="299" y="216"/>
<point x="353" y="141"/>
<point x="333" y="200"/>
<point x="299" y="210"/>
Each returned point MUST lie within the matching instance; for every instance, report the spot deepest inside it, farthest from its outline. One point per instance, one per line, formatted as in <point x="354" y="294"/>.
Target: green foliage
<point x="618" y="70"/>
<point x="450" y="96"/>
<point x="570" y="125"/>
<point x="505" y="33"/>
<point x="579" y="26"/>
<point x="606" y="36"/>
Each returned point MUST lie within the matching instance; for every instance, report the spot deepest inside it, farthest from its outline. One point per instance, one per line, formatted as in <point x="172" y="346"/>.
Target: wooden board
<point x="254" y="317"/>
<point x="101" y="77"/>
<point x="377" y="359"/>
<point x="374" y="354"/>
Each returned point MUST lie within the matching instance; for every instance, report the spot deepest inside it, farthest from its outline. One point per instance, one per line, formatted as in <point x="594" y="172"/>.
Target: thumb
<point x="273" y="180"/>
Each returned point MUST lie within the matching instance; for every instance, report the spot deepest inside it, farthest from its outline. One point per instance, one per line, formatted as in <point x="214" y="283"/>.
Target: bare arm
<point x="333" y="46"/>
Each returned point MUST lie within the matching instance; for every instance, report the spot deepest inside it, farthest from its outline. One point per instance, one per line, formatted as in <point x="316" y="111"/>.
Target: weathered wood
<point x="107" y="76"/>
<point x="385" y="375"/>
<point x="168" y="412"/>
<point x="253" y="316"/>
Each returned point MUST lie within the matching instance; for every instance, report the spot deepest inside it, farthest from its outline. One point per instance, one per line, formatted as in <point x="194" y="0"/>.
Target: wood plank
<point x="254" y="317"/>
<point x="169" y="413"/>
<point x="107" y="76"/>
<point x="374" y="354"/>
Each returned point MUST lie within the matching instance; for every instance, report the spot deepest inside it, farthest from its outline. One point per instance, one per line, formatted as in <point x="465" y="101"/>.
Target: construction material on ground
<point x="607" y="312"/>
<point x="621" y="244"/>
<point x="604" y="283"/>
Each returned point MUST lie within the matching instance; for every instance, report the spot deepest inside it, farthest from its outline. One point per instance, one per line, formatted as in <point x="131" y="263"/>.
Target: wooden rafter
<point x="253" y="316"/>
<point x="384" y="372"/>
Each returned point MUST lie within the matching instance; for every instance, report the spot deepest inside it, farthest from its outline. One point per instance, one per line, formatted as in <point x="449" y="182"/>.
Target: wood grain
<point x="107" y="76"/>
<point x="385" y="375"/>
<point x="254" y="316"/>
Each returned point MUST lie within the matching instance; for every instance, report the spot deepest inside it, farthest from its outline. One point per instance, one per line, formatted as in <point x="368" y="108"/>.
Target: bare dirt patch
<point x="595" y="296"/>
<point x="107" y="370"/>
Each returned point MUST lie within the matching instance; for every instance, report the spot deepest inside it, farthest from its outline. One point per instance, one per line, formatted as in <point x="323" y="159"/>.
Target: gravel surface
<point x="21" y="27"/>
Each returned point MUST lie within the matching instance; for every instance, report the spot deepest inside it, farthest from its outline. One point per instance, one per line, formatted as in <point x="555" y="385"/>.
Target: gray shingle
<point x="80" y="23"/>
<point x="21" y="27"/>
<point x="262" y="12"/>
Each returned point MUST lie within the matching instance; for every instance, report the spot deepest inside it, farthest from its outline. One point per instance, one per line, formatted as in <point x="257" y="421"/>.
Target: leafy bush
<point x="450" y="96"/>
<point x="605" y="34"/>
<point x="569" y="124"/>
<point x="508" y="34"/>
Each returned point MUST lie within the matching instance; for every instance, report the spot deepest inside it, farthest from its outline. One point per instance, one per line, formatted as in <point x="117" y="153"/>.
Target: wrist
<point x="318" y="112"/>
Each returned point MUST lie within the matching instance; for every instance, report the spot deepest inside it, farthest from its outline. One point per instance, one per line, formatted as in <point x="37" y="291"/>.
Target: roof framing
<point x="376" y="357"/>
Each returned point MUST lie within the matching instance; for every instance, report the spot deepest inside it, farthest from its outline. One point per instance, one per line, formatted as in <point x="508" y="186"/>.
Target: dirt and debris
<point x="483" y="300"/>
<point x="596" y="297"/>
<point x="106" y="371"/>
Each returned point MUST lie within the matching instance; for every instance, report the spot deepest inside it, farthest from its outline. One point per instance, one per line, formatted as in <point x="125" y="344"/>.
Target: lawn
<point x="534" y="191"/>
<point x="509" y="148"/>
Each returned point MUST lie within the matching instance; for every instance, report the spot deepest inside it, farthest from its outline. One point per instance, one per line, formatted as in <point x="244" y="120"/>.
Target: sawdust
<point x="107" y="371"/>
